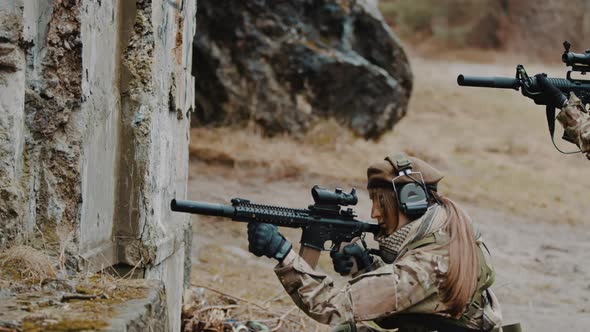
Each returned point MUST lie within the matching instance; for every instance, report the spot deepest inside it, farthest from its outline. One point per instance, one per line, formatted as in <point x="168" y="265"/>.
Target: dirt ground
<point x="529" y="201"/>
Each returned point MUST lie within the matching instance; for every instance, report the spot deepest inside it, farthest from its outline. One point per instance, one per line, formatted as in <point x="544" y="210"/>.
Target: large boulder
<point x="282" y="65"/>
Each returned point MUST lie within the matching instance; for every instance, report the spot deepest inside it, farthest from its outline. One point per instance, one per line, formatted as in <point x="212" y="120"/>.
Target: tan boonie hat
<point x="380" y="174"/>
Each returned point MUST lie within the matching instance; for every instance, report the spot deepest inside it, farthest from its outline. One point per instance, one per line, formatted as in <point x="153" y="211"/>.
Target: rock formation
<point x="284" y="64"/>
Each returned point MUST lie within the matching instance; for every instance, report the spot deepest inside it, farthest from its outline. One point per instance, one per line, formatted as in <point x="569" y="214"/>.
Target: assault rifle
<point x="536" y="88"/>
<point x="323" y="221"/>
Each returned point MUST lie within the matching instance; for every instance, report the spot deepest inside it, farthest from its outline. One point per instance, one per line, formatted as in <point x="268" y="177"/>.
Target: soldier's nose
<point x="375" y="213"/>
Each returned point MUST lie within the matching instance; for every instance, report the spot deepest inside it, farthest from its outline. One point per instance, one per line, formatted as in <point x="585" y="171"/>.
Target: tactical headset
<point x="412" y="198"/>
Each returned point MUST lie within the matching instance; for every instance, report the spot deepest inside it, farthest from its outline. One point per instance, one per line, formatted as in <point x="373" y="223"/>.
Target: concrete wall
<point x="95" y="98"/>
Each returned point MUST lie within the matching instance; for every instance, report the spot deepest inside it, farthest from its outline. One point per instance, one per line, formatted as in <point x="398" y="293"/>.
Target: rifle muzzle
<point x="488" y="82"/>
<point x="203" y="208"/>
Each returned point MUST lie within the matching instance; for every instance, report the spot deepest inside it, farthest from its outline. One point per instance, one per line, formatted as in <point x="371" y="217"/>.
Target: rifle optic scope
<point x="571" y="58"/>
<point x="323" y="196"/>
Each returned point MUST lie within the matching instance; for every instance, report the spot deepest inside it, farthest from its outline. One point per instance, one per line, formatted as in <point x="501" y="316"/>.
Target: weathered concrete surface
<point x="101" y="109"/>
<point x="12" y="83"/>
<point x="94" y="127"/>
<point x="282" y="65"/>
<point x="100" y="304"/>
<point x="156" y="98"/>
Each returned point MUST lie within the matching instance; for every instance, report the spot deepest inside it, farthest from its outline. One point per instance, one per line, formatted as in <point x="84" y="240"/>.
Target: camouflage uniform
<point x="410" y="285"/>
<point x="576" y="122"/>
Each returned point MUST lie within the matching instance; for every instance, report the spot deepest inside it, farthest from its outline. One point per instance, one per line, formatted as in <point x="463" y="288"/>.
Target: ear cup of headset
<point x="413" y="200"/>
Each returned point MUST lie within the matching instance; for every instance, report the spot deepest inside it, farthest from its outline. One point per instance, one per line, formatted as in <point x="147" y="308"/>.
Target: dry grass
<point x="210" y="309"/>
<point x="26" y="264"/>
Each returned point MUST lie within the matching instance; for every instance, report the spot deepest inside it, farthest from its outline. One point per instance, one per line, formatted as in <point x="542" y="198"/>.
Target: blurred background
<point x="532" y="29"/>
<point x="292" y="94"/>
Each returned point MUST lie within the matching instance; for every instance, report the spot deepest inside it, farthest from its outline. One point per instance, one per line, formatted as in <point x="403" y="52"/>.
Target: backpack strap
<point x="485" y="280"/>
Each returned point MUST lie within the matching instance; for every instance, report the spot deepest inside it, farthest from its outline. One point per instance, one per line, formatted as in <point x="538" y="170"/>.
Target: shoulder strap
<point x="486" y="273"/>
<point x="485" y="280"/>
<point x="429" y="239"/>
<point x="550" y="112"/>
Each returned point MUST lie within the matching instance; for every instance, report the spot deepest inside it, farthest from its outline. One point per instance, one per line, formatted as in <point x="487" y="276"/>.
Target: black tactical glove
<point x="553" y="95"/>
<point x="344" y="261"/>
<point x="265" y="239"/>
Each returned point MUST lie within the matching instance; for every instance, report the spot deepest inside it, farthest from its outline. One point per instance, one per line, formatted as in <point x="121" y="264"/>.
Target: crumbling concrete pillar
<point x="95" y="98"/>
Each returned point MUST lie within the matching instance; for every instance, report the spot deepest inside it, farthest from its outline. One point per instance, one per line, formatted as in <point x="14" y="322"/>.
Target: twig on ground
<point x="69" y="297"/>
<point x="104" y="268"/>
<point x="282" y="319"/>
<point x="278" y="295"/>
<point x="219" y="307"/>
<point x="231" y="296"/>
<point x="130" y="273"/>
<point x="281" y="293"/>
<point x="283" y="316"/>
<point x="249" y="303"/>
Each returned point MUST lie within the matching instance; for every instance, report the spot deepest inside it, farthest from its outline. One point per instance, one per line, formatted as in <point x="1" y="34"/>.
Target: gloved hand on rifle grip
<point x="554" y="96"/>
<point x="265" y="239"/>
<point x="344" y="260"/>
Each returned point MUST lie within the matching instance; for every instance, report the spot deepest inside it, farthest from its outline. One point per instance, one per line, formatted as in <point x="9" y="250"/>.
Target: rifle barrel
<point x="204" y="208"/>
<point x="488" y="82"/>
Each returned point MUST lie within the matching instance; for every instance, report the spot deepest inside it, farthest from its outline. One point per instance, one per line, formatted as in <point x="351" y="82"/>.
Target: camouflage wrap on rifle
<point x="576" y="122"/>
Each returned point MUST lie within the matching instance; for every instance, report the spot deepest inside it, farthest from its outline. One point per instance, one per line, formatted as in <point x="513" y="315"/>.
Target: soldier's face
<point x="377" y="210"/>
<point x="385" y="212"/>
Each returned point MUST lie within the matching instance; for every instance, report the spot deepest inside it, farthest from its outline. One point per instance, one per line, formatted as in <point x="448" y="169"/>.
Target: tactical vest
<point x="413" y="322"/>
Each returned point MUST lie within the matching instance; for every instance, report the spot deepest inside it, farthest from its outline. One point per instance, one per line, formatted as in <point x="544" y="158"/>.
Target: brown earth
<point x="529" y="200"/>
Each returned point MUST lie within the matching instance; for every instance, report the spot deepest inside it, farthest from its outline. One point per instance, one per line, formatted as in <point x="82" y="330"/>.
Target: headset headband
<point x="401" y="163"/>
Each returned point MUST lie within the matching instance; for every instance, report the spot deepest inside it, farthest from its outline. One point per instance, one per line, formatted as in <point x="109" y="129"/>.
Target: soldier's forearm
<point x="312" y="291"/>
<point x="288" y="259"/>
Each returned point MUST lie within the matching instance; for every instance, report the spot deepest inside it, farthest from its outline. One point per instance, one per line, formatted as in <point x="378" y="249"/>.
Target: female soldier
<point x="430" y="274"/>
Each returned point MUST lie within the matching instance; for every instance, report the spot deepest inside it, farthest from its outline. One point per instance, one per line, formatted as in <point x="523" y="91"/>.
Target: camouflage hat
<point x="380" y="174"/>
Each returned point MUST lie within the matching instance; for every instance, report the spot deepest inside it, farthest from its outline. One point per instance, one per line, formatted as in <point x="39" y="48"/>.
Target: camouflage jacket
<point x="411" y="284"/>
<point x="576" y="122"/>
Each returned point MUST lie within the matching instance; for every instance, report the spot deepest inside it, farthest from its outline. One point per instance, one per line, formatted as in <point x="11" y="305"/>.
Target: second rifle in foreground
<point x="543" y="90"/>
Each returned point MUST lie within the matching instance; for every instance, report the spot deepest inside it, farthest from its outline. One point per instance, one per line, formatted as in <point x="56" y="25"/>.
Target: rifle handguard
<point x="554" y="96"/>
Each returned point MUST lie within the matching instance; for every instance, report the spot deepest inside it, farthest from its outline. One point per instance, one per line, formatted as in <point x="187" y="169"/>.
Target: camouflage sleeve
<point x="575" y="120"/>
<point x="314" y="292"/>
<point x="389" y="289"/>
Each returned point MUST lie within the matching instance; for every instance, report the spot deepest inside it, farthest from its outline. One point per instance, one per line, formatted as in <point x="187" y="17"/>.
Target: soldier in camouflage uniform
<point x="430" y="274"/>
<point x="576" y="122"/>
